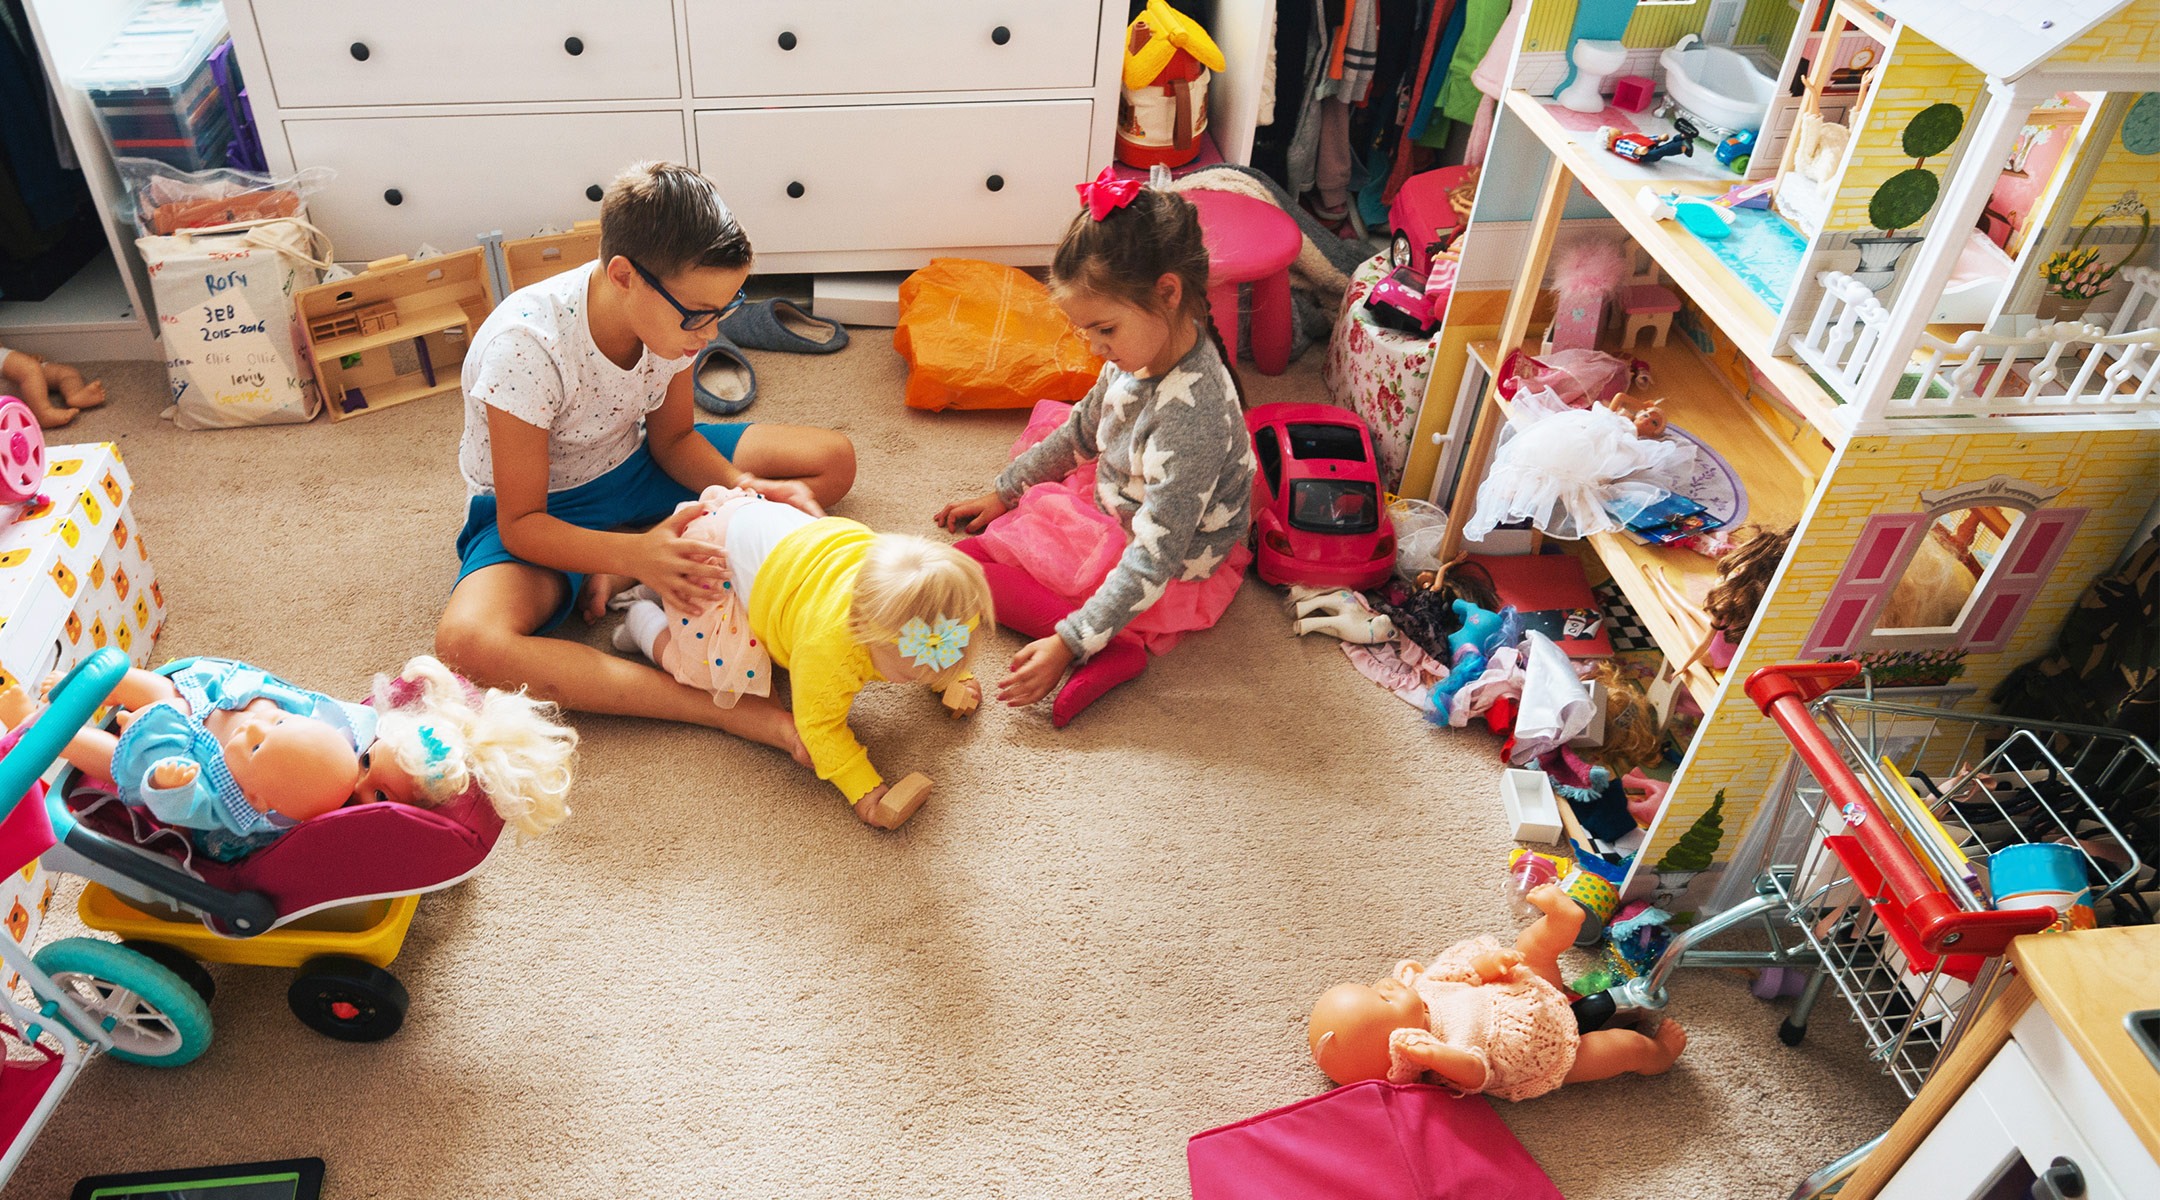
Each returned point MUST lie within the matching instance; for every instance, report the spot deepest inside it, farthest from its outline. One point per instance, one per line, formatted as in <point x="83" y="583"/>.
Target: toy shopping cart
<point x="1877" y="847"/>
<point x="333" y="898"/>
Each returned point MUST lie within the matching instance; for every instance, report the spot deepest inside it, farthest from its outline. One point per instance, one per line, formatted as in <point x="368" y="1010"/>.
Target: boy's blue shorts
<point x="635" y="493"/>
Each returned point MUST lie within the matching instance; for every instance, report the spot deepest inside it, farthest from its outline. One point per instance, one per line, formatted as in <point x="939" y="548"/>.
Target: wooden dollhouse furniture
<point x="1646" y="304"/>
<point x="848" y="135"/>
<point x="395" y="333"/>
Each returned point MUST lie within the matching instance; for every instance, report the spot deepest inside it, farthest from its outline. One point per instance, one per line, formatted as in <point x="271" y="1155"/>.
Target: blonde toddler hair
<point x="450" y="736"/>
<point x="904" y="578"/>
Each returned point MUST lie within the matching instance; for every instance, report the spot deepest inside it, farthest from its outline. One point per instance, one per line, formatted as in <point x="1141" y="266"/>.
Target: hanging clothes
<point x="1458" y="97"/>
<point x="1436" y="19"/>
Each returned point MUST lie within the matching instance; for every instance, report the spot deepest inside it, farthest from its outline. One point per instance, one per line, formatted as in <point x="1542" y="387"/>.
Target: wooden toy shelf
<point x="1697" y="399"/>
<point x="1691" y="266"/>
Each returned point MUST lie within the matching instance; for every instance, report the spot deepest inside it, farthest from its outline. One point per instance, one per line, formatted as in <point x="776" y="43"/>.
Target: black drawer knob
<point x="1001" y="35"/>
<point x="795" y="191"/>
<point x="359" y="51"/>
<point x="995" y="183"/>
<point x="787" y="41"/>
<point x="393" y="197"/>
<point x="573" y="46"/>
<point x="593" y="193"/>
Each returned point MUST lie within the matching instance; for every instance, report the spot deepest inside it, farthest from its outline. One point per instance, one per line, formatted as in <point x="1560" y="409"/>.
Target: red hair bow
<point x="1107" y="193"/>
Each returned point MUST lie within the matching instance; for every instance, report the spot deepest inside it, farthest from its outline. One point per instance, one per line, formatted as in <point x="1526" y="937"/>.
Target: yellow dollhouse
<point x="1934" y="354"/>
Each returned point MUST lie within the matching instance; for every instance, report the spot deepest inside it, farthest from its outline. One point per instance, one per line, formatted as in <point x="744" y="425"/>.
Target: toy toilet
<point x="1594" y="59"/>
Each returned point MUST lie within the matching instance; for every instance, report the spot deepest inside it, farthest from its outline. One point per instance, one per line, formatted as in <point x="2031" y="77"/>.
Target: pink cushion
<point x="1247" y="239"/>
<point x="1368" y="1141"/>
<point x="1650" y="298"/>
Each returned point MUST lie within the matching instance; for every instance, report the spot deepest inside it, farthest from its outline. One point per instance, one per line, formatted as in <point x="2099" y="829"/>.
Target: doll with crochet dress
<point x="1484" y="1018"/>
<point x="239" y="756"/>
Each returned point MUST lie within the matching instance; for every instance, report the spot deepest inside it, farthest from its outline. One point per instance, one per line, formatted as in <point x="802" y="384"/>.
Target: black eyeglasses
<point x="693" y="319"/>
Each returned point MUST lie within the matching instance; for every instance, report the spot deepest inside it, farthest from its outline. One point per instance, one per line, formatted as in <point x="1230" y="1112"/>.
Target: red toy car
<point x="1317" y="516"/>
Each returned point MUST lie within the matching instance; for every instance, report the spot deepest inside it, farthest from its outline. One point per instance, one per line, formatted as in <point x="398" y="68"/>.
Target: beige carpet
<point x="713" y="981"/>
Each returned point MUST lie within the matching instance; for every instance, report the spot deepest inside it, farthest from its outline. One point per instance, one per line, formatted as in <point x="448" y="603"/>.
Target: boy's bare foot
<point x="599" y="589"/>
<point x="1672" y="1040"/>
<point x="83" y="395"/>
<point x="14" y="706"/>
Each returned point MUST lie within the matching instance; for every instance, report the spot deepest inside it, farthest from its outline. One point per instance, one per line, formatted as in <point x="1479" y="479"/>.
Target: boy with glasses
<point x="579" y="445"/>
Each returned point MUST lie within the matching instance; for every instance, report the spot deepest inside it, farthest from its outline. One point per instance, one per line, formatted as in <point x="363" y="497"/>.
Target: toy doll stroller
<point x="333" y="897"/>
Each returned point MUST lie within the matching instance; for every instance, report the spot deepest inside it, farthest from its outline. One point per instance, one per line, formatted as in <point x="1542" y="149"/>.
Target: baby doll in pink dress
<point x="1482" y="1019"/>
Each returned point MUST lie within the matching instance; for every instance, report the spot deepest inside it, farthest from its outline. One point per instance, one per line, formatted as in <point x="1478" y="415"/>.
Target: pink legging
<point x="1034" y="610"/>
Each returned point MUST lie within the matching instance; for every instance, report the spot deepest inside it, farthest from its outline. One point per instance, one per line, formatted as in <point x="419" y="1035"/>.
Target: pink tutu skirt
<point x="1058" y="535"/>
<point x="711" y="648"/>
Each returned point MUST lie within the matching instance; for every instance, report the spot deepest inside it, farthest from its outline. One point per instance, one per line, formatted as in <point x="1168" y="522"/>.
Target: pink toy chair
<point x="1249" y="241"/>
<point x="1633" y="93"/>
<point x="1646" y="304"/>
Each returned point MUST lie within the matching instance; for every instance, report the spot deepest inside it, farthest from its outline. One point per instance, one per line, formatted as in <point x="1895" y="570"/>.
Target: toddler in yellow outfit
<point x="837" y="605"/>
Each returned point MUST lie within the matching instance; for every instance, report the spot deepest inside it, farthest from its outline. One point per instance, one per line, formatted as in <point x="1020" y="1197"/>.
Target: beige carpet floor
<point x="713" y="981"/>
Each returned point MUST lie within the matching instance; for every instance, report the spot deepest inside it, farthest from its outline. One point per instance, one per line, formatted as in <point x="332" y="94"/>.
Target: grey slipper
<point x="780" y="325"/>
<point x="722" y="380"/>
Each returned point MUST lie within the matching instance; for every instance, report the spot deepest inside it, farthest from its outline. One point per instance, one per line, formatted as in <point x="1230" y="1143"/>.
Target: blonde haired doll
<point x="836" y="604"/>
<point x="437" y="736"/>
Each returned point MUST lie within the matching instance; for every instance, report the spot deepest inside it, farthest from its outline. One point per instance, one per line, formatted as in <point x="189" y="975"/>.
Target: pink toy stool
<point x="1648" y="306"/>
<point x="1249" y="241"/>
<point x="1632" y="93"/>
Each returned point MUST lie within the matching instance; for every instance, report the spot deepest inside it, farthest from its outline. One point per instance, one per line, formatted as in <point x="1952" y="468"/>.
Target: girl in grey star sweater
<point x="1124" y="527"/>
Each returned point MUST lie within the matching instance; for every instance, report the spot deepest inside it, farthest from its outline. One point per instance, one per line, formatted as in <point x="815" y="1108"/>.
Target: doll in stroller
<point x="439" y="768"/>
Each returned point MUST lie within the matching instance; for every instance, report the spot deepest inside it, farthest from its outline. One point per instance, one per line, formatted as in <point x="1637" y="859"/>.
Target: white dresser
<point x="848" y="135"/>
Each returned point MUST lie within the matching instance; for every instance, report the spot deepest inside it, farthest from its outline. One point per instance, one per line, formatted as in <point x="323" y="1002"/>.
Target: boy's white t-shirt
<point x="534" y="358"/>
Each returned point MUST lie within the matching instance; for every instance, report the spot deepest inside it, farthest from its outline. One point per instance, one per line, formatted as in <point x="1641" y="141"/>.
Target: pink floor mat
<point x="1368" y="1141"/>
<point x="1582" y="122"/>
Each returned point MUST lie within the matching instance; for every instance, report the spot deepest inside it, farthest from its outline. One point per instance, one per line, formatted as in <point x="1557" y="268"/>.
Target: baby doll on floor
<point x="1483" y="1019"/>
<point x="54" y="391"/>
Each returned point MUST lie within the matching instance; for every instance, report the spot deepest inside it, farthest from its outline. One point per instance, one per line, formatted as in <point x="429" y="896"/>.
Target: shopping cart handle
<point x="1944" y="928"/>
<point x="1803" y="681"/>
<point x="69" y="709"/>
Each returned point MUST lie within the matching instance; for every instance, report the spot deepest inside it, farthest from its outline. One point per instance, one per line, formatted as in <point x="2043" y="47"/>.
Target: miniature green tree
<point x="1692" y="852"/>
<point x="1907" y="196"/>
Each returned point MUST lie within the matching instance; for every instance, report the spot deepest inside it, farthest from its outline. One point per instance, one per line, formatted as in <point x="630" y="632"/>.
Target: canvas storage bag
<point x="234" y="349"/>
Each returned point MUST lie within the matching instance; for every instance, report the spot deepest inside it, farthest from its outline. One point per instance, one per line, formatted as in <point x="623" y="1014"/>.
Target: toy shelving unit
<point x="1697" y="396"/>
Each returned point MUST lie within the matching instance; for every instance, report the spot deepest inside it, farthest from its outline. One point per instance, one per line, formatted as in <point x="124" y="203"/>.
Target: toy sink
<point x="1716" y="84"/>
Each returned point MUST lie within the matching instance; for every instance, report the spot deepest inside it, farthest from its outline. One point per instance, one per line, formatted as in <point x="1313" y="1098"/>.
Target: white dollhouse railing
<point x="2056" y="367"/>
<point x="1848" y="322"/>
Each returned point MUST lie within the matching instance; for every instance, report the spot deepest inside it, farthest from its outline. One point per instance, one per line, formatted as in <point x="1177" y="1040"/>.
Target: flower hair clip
<point x="936" y="646"/>
<point x="1107" y="193"/>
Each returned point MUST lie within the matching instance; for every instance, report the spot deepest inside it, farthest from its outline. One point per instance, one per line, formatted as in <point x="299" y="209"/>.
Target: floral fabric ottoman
<point x="1377" y="373"/>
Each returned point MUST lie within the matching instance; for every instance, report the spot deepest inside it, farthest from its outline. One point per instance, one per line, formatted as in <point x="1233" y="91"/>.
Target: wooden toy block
<point x="397" y="332"/>
<point x="900" y="801"/>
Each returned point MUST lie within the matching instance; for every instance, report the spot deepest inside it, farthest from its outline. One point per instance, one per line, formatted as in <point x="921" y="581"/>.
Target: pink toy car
<point x="1317" y="515"/>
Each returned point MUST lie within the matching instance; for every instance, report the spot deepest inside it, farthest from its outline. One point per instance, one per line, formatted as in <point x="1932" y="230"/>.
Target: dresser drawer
<point x="467" y="51"/>
<point x="444" y="180"/>
<point x="827" y="47"/>
<point x="899" y="176"/>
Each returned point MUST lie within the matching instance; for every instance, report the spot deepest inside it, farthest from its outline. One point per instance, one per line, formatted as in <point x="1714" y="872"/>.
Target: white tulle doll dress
<point x="1558" y="467"/>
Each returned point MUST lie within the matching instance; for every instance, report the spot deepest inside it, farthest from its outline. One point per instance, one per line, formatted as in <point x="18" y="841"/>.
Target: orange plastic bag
<point x="984" y="335"/>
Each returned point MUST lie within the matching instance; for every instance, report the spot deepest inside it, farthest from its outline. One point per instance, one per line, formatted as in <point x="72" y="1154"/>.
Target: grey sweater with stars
<point x="1174" y="465"/>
